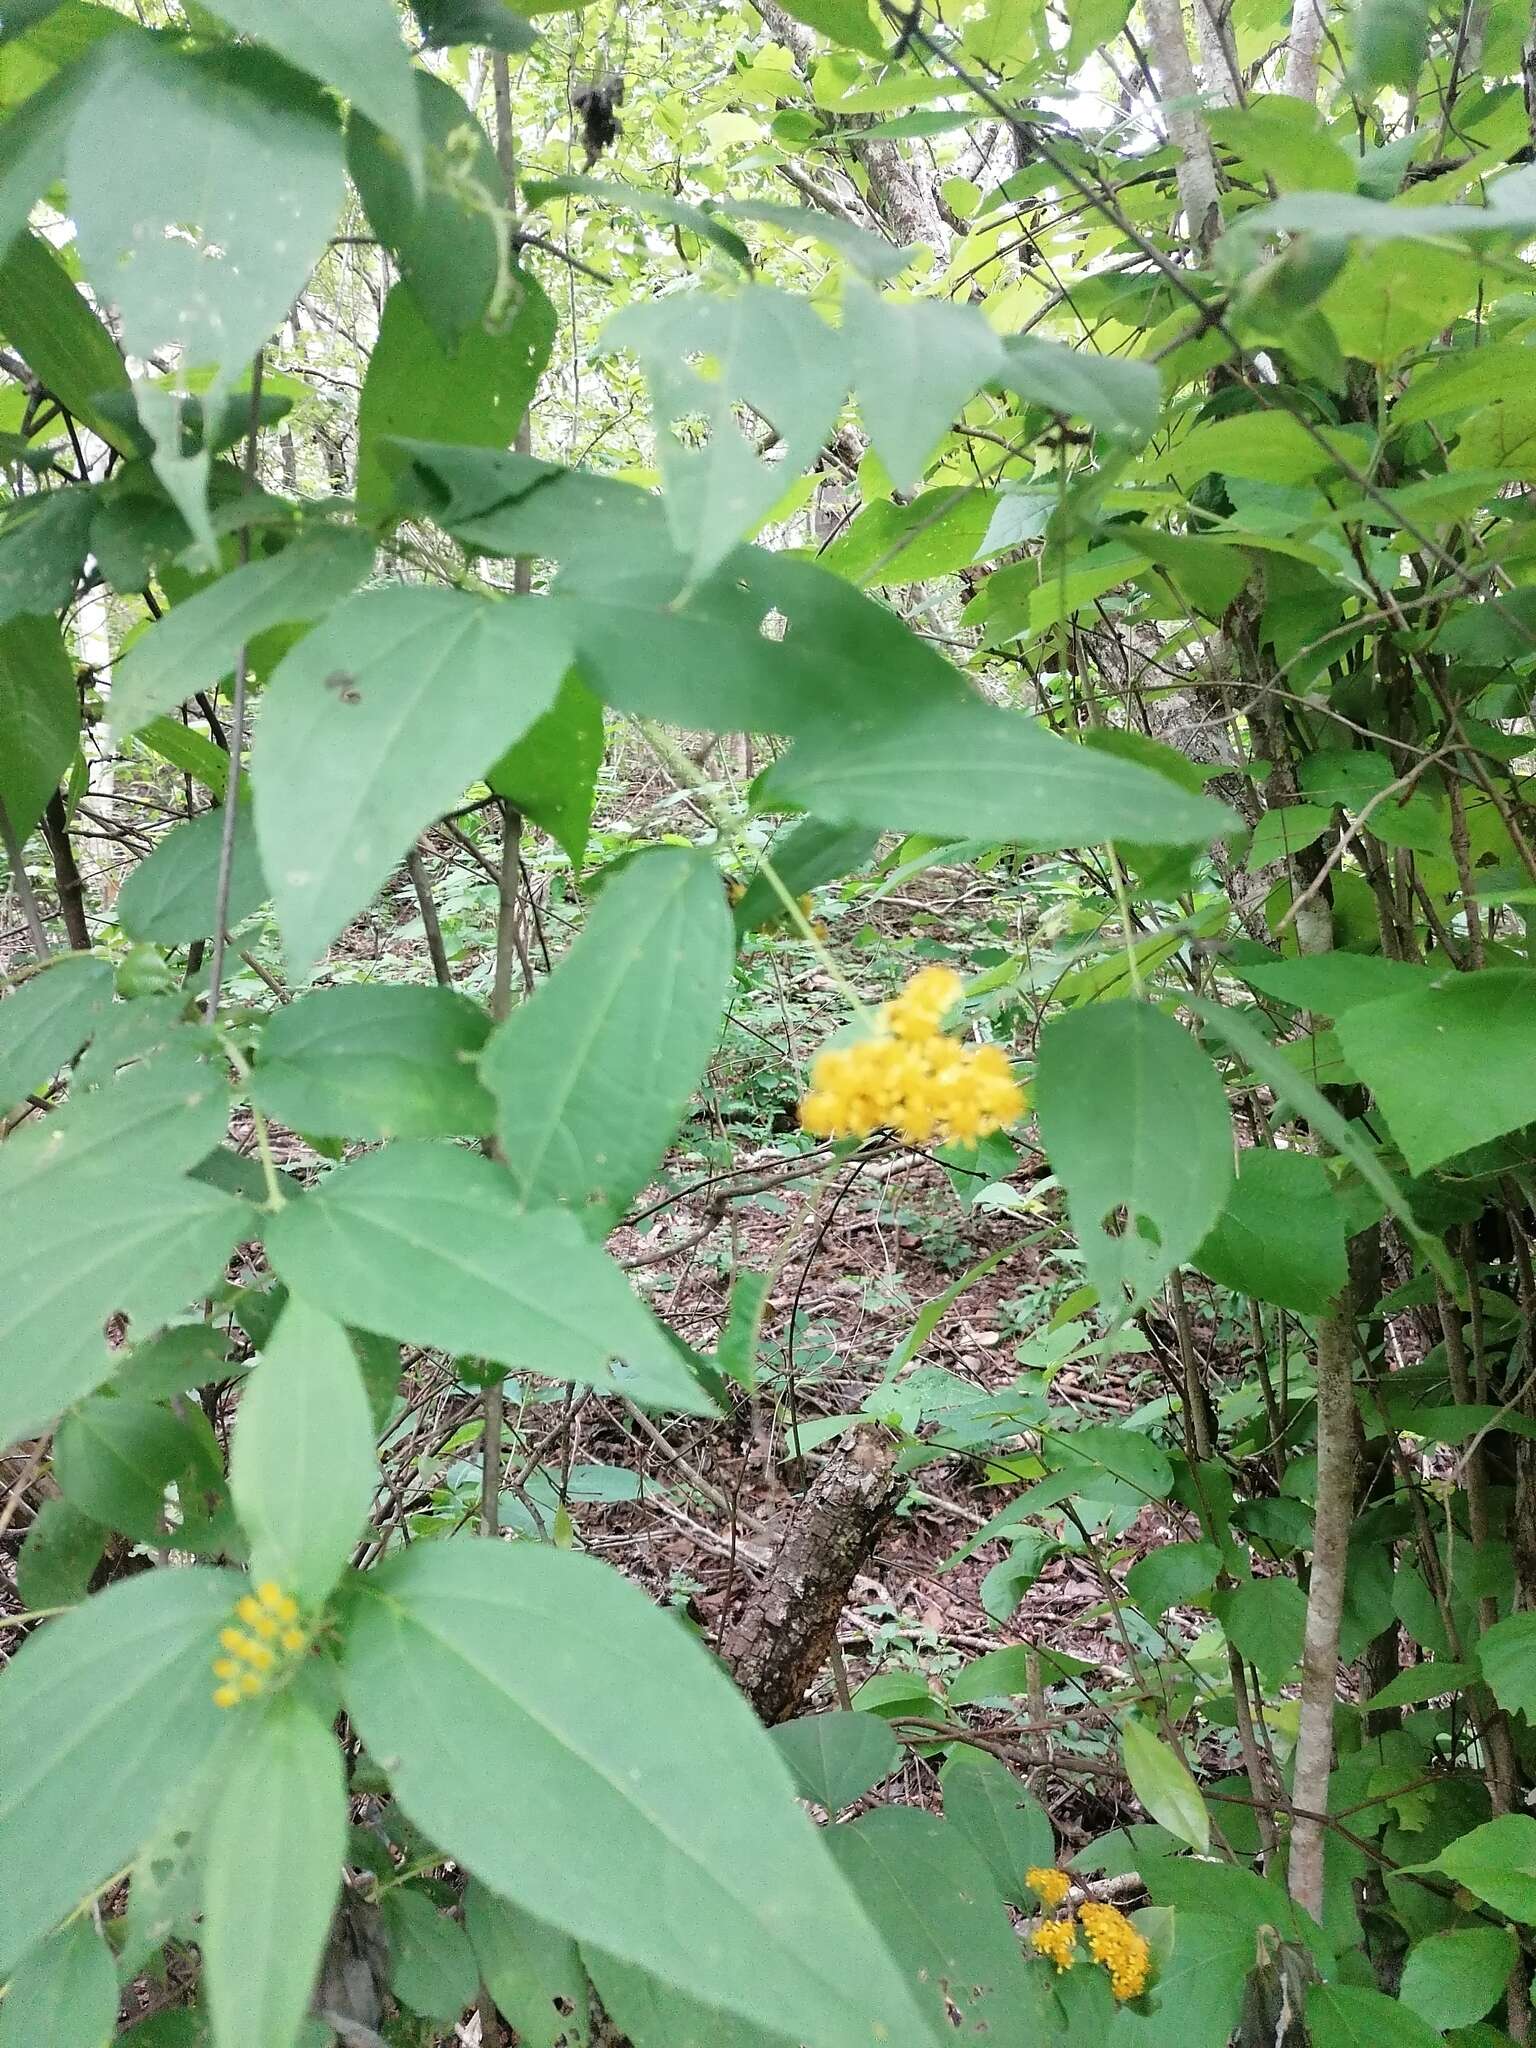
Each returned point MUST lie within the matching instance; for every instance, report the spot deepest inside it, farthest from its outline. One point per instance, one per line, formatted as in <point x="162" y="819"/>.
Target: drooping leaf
<point x="836" y="1758"/>
<point x="1451" y="1979"/>
<point x="362" y="56"/>
<point x="531" y="1969"/>
<point x="372" y="728"/>
<point x="115" y="1457"/>
<point x="96" y="1218"/>
<point x="177" y="222"/>
<point x="65" y="1993"/>
<point x="767" y="351"/>
<point x="1414" y="1052"/>
<point x="592" y="1075"/>
<point x="42" y="546"/>
<point x="46" y="317"/>
<point x="433" y="1966"/>
<point x="302" y="1469"/>
<point x="933" y="1900"/>
<point x="913" y="364"/>
<point x="189" y="752"/>
<point x="608" y="1783"/>
<point x="1497" y="1863"/>
<point x="1281" y="1235"/>
<point x="444" y="237"/>
<point x="550" y="774"/>
<point x="105" y="1715"/>
<point x="1134" y="1120"/>
<point x="1391" y="38"/>
<point x="1120" y="397"/>
<point x="47" y="1020"/>
<point x="477" y="394"/>
<point x="272" y="1872"/>
<point x="375" y="1062"/>
<point x="169" y="898"/>
<point x="39" y="718"/>
<point x="1001" y="1819"/>
<point x="198" y="642"/>
<point x="431" y="1245"/>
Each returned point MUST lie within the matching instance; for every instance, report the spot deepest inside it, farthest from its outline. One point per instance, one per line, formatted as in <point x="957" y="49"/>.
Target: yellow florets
<point x="1114" y="1942"/>
<point x="1058" y="1940"/>
<point x="260" y="1651"/>
<point x="910" y="1077"/>
<point x="1050" y="1887"/>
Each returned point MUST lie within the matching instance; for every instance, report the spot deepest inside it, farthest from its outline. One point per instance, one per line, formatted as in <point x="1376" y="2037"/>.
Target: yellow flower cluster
<point x="1050" y="1887"/>
<point x="911" y="1077"/>
<point x="1114" y="1942"/>
<point x="1058" y="1940"/>
<point x="253" y="1655"/>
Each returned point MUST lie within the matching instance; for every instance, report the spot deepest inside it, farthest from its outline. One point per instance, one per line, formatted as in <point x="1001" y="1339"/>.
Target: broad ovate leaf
<point x="592" y="1075"/>
<point x="272" y="1872"/>
<point x="105" y="1717"/>
<point x="431" y="1245"/>
<point x="1134" y="1119"/>
<point x="583" y="1756"/>
<point x="372" y="728"/>
<point x="302" y="1468"/>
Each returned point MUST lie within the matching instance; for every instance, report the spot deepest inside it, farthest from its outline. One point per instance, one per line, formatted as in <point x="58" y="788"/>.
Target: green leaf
<point x="64" y="1994"/>
<point x="1025" y="599"/>
<point x="844" y="21"/>
<point x="189" y="752"/>
<point x="32" y="143"/>
<point x="1287" y="829"/>
<point x="811" y="854"/>
<point x="1133" y="1118"/>
<point x="592" y="1075"/>
<point x="609" y="1783"/>
<point x="932" y="1898"/>
<point x="47" y="1020"/>
<point x="1506" y="1653"/>
<point x="1421" y="1682"/>
<point x="1273" y="447"/>
<point x="1348" y="2016"/>
<point x="550" y="774"/>
<point x="45" y="317"/>
<point x="532" y="1971"/>
<point x="1094" y="23"/>
<point x="1391" y="40"/>
<point x="1394" y="296"/>
<point x="1196" y="1995"/>
<point x="444" y="238"/>
<point x="39" y="718"/>
<point x="302" y="1468"/>
<point x="934" y="534"/>
<point x="115" y="1457"/>
<point x="1172" y="1576"/>
<point x="652" y="2014"/>
<point x="198" y="643"/>
<point x="1119" y="1465"/>
<point x="1281" y="1236"/>
<point x="836" y="1758"/>
<point x="169" y="898"/>
<point x="1330" y="982"/>
<point x="362" y="56"/>
<point x="1161" y="1781"/>
<point x="1000" y="1818"/>
<point x="476" y="395"/>
<point x="1243" y="1901"/>
<point x="1452" y="1979"/>
<point x="914" y="364"/>
<point x="105" y="1716"/>
<point x="61" y="1552"/>
<point x="272" y="1873"/>
<point x="373" y="726"/>
<point x="643" y="200"/>
<point x="869" y="254"/>
<point x="445" y="23"/>
<point x="1496" y="1863"/>
<point x="1510" y="208"/>
<point x="434" y="1966"/>
<point x="1414" y="1052"/>
<point x="370" y="1061"/>
<point x="1123" y="398"/>
<point x="97" y="1219"/>
<point x="1265" y="1621"/>
<point x="705" y="354"/>
<point x="176" y="220"/>
<point x="41" y="549"/>
<point x="431" y="1245"/>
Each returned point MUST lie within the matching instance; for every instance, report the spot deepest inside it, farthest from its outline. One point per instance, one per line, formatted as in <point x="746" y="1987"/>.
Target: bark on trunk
<point x="789" y="1628"/>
